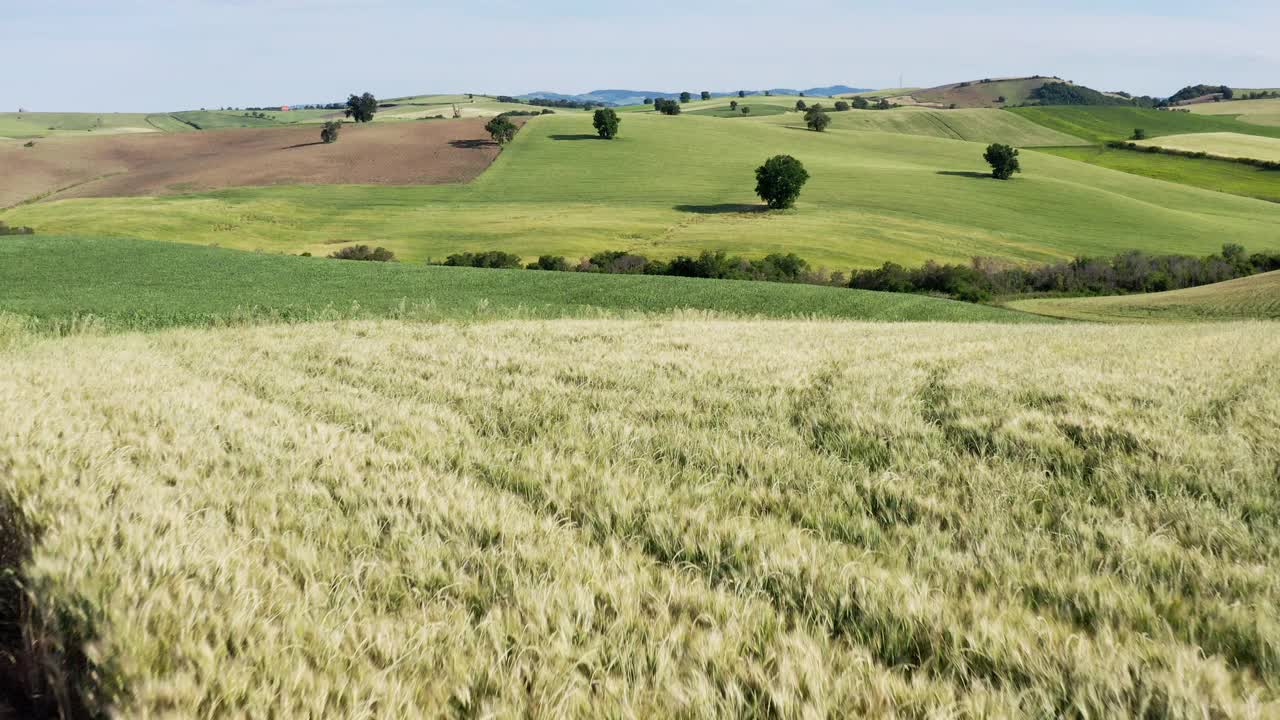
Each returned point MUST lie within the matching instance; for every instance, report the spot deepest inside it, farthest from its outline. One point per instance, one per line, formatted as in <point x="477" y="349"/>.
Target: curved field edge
<point x="696" y="519"/>
<point x="67" y="284"/>
<point x="1250" y="298"/>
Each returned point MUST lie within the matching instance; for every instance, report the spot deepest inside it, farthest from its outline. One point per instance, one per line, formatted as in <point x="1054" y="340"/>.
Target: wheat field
<point x="671" y="517"/>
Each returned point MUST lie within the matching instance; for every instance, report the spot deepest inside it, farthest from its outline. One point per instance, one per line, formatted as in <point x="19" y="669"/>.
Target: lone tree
<point x="667" y="107"/>
<point x="685" y="97"/>
<point x="501" y="130"/>
<point x="841" y="106"/>
<point x="607" y="122"/>
<point x="746" y="109"/>
<point x="330" y="132"/>
<point x="362" y="108"/>
<point x="1139" y="134"/>
<point x="733" y="104"/>
<point x="706" y="95"/>
<point x="779" y="180"/>
<point x="801" y="106"/>
<point x="742" y="93"/>
<point x="817" y="119"/>
<point x="1004" y="161"/>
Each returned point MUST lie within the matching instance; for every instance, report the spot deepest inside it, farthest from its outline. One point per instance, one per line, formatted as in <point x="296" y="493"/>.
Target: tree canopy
<point x="606" y="123"/>
<point x="1003" y="160"/>
<point x="501" y="130"/>
<point x="817" y="119"/>
<point x="779" y="181"/>
<point x="361" y="108"/>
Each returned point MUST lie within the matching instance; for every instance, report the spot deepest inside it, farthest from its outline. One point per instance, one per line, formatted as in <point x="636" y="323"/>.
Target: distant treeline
<point x="1191" y="92"/>
<point x="1131" y="272"/>
<point x="546" y="102"/>
<point x="1199" y="154"/>
<point x="980" y="280"/>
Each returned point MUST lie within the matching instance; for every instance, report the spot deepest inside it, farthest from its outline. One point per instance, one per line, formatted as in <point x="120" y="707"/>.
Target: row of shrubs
<point x="1124" y="145"/>
<point x="7" y="230"/>
<point x="1131" y="272"/>
<point x="709" y="264"/>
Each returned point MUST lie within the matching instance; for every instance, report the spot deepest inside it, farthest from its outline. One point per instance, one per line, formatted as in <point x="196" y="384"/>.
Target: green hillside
<point x="145" y="285"/>
<point x="1222" y="145"/>
<point x="1256" y="112"/>
<point x="1249" y="298"/>
<point x="35" y="125"/>
<point x="1102" y="124"/>
<point x="672" y="185"/>
<point x="1207" y="173"/>
<point x="979" y="93"/>
<point x="981" y="125"/>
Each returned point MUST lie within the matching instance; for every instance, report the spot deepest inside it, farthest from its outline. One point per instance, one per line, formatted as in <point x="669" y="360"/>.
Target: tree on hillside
<point x="779" y="181"/>
<point x="817" y="119"/>
<point x="1003" y="160"/>
<point x="841" y="106"/>
<point x="733" y="104"/>
<point x="501" y="130"/>
<point x="330" y="132"/>
<point x="606" y="122"/>
<point x="685" y="97"/>
<point x="362" y="108"/>
<point x="746" y="110"/>
<point x="742" y="93"/>
<point x="860" y="103"/>
<point x="884" y="104"/>
<point x="1227" y="93"/>
<point x="648" y="101"/>
<point x="706" y="95"/>
<point x="1139" y="134"/>
<point x="801" y="106"/>
<point x="667" y="107"/>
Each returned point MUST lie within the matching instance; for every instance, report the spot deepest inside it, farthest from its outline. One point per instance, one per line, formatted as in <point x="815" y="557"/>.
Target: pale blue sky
<point x="153" y="55"/>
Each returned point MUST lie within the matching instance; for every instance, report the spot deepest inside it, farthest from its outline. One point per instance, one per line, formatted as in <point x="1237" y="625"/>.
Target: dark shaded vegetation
<point x="1191" y="92"/>
<point x="779" y="181"/>
<point x="816" y="119"/>
<point x="487" y="259"/>
<point x="364" y="252"/>
<point x="1003" y="160"/>
<point x="712" y="265"/>
<point x="331" y="131"/>
<point x="606" y="123"/>
<point x="1131" y="272"/>
<point x="667" y="107"/>
<point x="1060" y="93"/>
<point x="361" y="108"/>
<point x="501" y="130"/>
<point x="1198" y="154"/>
<point x="19" y="230"/>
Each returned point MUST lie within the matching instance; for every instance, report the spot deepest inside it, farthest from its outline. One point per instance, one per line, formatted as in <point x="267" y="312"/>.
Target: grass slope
<point x="1257" y="112"/>
<point x="1255" y="297"/>
<point x="141" y="284"/>
<point x="222" y="120"/>
<point x="1227" y="145"/>
<point x="37" y="125"/>
<point x="978" y="94"/>
<point x="1101" y="124"/>
<point x="1208" y="173"/>
<point x="655" y="519"/>
<point x="984" y="126"/>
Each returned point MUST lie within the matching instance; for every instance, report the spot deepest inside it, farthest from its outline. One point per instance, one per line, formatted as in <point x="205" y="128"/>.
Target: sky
<point x="168" y="55"/>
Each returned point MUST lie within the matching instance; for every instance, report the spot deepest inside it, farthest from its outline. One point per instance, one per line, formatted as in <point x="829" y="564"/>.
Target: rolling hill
<point x="116" y="284"/>
<point x="1102" y="124"/>
<point x="1257" y="112"/>
<point x="680" y="185"/>
<point x="1250" y="298"/>
<point x="1222" y="145"/>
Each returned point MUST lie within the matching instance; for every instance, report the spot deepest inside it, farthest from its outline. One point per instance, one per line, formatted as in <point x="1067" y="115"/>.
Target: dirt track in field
<point x="400" y="153"/>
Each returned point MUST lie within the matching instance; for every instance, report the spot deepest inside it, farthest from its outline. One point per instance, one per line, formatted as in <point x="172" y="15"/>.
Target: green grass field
<point x="222" y="120"/>
<point x="978" y="125"/>
<point x="758" y="109"/>
<point x="695" y="519"/>
<point x="1225" y="145"/>
<point x="1207" y="173"/>
<point x="62" y="283"/>
<point x="1255" y="297"/>
<point x="1257" y="112"/>
<point x="683" y="184"/>
<point x="36" y="125"/>
<point x="1102" y="124"/>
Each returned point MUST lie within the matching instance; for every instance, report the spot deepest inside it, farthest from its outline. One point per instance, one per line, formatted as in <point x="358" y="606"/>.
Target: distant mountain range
<point x="635" y="97"/>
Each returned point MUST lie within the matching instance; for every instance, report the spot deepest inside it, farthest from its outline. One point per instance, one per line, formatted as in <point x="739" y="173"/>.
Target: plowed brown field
<point x="405" y="153"/>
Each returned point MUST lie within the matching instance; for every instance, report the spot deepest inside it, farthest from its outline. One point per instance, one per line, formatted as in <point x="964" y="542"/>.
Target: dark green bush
<point x="488" y="259"/>
<point x="363" y="252"/>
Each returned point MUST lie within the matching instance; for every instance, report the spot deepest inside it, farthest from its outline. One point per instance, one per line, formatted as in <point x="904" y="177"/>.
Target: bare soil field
<point x="419" y="153"/>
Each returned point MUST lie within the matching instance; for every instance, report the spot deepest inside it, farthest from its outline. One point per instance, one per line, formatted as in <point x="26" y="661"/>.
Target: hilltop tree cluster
<point x="667" y="107"/>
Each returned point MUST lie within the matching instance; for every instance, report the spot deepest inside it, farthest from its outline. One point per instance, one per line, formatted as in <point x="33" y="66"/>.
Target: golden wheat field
<point x="671" y="517"/>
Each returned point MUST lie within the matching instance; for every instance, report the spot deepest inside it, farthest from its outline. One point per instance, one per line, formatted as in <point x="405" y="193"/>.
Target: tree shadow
<point x="302" y="145"/>
<point x="576" y="137"/>
<point x="471" y="144"/>
<point x="722" y="209"/>
<point x="966" y="173"/>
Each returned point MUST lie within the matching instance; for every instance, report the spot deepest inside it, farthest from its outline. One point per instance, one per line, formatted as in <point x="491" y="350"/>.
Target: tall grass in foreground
<point x="655" y="519"/>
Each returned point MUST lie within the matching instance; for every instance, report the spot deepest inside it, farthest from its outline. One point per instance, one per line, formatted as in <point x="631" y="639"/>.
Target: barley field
<point x="678" y="517"/>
